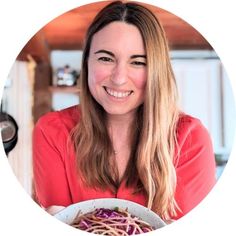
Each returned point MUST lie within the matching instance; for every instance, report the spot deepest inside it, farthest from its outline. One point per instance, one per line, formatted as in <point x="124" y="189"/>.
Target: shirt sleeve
<point x="195" y="165"/>
<point x="50" y="180"/>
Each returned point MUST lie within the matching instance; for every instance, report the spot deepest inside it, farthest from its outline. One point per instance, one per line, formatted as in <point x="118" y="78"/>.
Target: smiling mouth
<point x="117" y="94"/>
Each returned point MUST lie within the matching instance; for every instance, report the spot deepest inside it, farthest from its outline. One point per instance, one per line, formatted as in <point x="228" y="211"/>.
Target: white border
<point x="20" y="20"/>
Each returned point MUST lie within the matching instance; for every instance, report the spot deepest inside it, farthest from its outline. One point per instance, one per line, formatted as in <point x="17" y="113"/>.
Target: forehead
<point x="118" y="36"/>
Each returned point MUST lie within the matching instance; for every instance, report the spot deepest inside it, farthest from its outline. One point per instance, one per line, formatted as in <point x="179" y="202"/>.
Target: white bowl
<point x="68" y="214"/>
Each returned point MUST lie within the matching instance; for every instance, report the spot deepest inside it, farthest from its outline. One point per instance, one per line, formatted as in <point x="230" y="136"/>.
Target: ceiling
<point x="67" y="32"/>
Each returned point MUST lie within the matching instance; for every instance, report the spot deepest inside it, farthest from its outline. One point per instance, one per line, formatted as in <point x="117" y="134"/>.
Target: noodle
<point x="111" y="222"/>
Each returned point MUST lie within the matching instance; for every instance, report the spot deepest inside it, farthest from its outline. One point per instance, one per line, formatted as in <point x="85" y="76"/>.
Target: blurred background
<point x="45" y="75"/>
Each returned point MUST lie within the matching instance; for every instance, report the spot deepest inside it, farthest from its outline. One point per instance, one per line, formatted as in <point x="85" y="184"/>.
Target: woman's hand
<point x="52" y="210"/>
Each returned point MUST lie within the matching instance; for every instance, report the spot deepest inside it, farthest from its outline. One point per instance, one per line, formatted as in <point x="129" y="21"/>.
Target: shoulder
<point x="191" y="131"/>
<point x="186" y="121"/>
<point x="51" y="133"/>
<point x="66" y="118"/>
<point x="188" y="124"/>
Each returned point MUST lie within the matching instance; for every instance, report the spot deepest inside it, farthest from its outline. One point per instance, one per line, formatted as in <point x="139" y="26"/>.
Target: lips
<point x="118" y="94"/>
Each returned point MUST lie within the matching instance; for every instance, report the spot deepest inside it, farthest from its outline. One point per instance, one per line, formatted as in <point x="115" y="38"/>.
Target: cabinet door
<point x="199" y="87"/>
<point x="229" y="111"/>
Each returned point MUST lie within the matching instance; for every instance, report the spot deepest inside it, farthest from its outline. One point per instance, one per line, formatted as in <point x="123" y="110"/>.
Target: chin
<point x="112" y="112"/>
<point x="119" y="112"/>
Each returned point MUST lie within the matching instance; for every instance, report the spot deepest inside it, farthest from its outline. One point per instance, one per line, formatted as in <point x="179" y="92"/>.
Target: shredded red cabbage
<point x="111" y="222"/>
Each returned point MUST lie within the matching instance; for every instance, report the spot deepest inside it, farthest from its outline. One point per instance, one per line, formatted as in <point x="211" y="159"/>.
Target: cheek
<point x="140" y="80"/>
<point x="96" y="75"/>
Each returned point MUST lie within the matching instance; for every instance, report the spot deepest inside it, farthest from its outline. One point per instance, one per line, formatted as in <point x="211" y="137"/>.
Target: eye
<point x="138" y="63"/>
<point x="105" y="59"/>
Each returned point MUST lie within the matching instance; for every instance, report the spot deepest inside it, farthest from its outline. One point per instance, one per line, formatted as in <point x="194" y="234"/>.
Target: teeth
<point x="118" y="94"/>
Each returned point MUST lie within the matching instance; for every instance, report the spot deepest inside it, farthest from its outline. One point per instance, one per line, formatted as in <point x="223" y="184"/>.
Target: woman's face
<point x="117" y="68"/>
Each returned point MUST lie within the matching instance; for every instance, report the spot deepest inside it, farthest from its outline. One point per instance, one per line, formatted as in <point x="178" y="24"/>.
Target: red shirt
<point x="56" y="181"/>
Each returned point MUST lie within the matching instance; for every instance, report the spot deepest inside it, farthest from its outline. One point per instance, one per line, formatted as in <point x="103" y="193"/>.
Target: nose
<point x="119" y="74"/>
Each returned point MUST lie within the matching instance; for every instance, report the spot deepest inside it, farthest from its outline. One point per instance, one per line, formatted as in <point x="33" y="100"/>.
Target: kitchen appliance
<point x="9" y="131"/>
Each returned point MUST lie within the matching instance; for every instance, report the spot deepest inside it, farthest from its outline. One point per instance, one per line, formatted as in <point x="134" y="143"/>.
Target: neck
<point x="117" y="121"/>
<point x="119" y="130"/>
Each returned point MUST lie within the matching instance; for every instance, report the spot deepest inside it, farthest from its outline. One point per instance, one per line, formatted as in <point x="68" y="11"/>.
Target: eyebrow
<point x="105" y="51"/>
<point x="135" y="56"/>
<point x="112" y="54"/>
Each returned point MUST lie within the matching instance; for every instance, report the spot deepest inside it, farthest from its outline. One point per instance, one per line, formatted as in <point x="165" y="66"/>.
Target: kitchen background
<point x="44" y="77"/>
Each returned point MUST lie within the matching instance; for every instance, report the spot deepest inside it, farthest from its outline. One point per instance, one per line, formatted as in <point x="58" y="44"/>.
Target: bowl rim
<point x="68" y="214"/>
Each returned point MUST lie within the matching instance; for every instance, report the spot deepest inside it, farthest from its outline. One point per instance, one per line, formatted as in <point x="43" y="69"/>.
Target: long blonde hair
<point x="154" y="137"/>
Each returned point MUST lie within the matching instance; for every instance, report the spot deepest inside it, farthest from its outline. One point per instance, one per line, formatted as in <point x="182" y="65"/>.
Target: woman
<point x="127" y="138"/>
